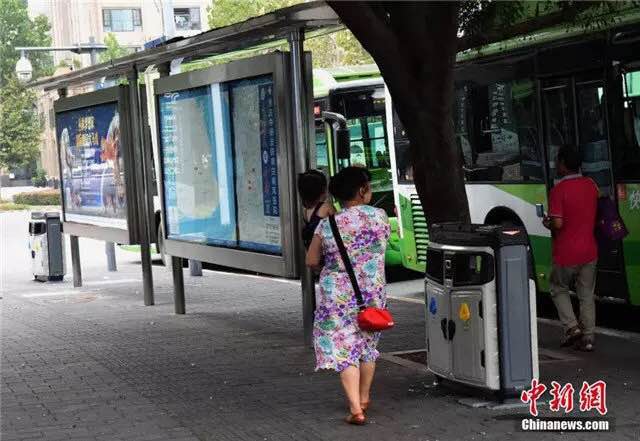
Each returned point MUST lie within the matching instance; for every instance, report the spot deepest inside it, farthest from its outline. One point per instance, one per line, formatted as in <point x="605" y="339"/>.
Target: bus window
<point x="558" y="122"/>
<point x="322" y="153"/>
<point x="496" y="131"/>
<point x="404" y="168"/>
<point x="628" y="154"/>
<point x="592" y="134"/>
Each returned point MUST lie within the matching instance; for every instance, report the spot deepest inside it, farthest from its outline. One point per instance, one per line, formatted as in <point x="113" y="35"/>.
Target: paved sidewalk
<point x="95" y="364"/>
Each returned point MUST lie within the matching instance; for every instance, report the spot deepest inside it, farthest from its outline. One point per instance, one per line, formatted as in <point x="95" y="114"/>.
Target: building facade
<point x="132" y="22"/>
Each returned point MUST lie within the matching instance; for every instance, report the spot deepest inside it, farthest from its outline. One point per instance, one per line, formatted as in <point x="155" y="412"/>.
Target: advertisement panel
<point x="256" y="164"/>
<point x="198" y="165"/>
<point x="218" y="191"/>
<point x="228" y="164"/>
<point x="92" y="165"/>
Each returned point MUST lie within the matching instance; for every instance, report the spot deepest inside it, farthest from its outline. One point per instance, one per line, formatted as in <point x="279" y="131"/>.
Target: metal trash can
<point x="481" y="307"/>
<point x="46" y="243"/>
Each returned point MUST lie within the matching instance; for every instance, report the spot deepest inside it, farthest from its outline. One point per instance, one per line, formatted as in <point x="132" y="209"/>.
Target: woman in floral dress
<point x="339" y="343"/>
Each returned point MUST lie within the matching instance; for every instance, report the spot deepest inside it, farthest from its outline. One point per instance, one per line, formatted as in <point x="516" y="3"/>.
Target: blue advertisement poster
<point x="93" y="182"/>
<point x="198" y="166"/>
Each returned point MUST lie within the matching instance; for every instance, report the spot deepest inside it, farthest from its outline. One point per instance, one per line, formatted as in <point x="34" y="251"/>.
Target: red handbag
<point x="370" y="319"/>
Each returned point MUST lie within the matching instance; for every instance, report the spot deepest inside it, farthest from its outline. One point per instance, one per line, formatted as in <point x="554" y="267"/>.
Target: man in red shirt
<point x="573" y="203"/>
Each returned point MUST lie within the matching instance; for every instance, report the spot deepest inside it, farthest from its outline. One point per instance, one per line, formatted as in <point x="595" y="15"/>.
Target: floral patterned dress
<point x="338" y="341"/>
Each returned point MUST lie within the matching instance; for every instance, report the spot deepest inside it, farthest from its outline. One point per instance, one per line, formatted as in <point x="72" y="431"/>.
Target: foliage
<point x="114" y="49"/>
<point x="39" y="179"/>
<point x="41" y="197"/>
<point x="73" y="63"/>
<point x="17" y="29"/>
<point x="337" y="49"/>
<point x="225" y="12"/>
<point x="10" y="206"/>
<point x="484" y="21"/>
<point x="20" y="126"/>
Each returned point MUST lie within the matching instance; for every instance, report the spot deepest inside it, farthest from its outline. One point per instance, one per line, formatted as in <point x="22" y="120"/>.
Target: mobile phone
<point x="540" y="210"/>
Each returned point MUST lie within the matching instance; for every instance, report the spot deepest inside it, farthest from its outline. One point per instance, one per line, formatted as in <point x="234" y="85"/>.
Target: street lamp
<point x="24" y="69"/>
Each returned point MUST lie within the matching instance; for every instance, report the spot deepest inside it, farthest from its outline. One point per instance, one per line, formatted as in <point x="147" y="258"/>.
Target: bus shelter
<point x="231" y="140"/>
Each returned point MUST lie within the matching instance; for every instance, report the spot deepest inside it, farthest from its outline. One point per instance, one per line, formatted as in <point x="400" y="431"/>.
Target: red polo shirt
<point x="574" y="199"/>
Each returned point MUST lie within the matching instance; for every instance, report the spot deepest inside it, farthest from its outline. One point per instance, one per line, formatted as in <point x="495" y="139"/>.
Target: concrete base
<point x="510" y="404"/>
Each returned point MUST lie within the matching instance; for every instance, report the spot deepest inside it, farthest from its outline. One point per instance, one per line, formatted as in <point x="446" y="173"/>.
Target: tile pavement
<point x="100" y="366"/>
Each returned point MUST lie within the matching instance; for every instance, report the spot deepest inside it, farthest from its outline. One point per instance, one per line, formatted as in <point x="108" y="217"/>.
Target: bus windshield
<point x="365" y="114"/>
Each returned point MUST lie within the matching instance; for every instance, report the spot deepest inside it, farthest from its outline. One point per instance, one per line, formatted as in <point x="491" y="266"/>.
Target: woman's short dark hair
<point x="312" y="184"/>
<point x="345" y="184"/>
<point x="570" y="157"/>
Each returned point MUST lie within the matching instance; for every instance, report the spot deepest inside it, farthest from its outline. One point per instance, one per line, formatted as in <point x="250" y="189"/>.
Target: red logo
<point x="562" y="397"/>
<point x="592" y="397"/>
<point x="532" y="396"/>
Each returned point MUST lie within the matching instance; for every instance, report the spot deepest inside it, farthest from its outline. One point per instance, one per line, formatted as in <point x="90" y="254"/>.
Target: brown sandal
<point x="358" y="419"/>
<point x="364" y="405"/>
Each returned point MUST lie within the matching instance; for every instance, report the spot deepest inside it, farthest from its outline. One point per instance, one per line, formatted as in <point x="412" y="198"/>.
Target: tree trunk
<point x="414" y="46"/>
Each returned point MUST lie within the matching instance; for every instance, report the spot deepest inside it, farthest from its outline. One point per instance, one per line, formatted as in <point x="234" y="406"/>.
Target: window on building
<point x="187" y="19"/>
<point x="121" y="20"/>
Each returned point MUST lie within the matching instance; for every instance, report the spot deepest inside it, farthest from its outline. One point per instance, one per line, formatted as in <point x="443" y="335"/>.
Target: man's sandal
<point x="358" y="419"/>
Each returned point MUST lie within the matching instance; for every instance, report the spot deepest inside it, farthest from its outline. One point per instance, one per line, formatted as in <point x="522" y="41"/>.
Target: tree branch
<point x="567" y="14"/>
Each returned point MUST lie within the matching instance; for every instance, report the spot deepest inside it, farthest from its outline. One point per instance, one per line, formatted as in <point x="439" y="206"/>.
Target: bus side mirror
<point x="343" y="143"/>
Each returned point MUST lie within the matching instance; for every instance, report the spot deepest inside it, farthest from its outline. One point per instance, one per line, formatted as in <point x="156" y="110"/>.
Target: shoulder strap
<point x="347" y="262"/>
<point x="317" y="208"/>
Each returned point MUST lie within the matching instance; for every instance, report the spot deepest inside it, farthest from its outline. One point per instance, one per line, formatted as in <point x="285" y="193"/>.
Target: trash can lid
<point x="461" y="234"/>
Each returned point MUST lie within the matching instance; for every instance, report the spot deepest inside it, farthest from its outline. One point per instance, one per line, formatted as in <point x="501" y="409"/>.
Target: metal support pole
<point x="195" y="268"/>
<point x="75" y="261"/>
<point x="110" y="250"/>
<point x="302" y="161"/>
<point x="176" y="262"/>
<point x="93" y="54"/>
<point x="142" y="186"/>
<point x="178" y="285"/>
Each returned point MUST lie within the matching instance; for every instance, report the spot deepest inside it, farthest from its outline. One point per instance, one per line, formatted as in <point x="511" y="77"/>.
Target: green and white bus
<point x="358" y="94"/>
<point x="516" y="102"/>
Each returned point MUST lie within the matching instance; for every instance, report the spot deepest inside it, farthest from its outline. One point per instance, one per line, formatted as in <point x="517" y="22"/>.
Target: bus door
<point x="574" y="112"/>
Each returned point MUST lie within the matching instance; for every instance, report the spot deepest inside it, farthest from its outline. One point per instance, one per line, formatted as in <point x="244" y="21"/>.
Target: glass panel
<point x="404" y="168"/>
<point x="472" y="269"/>
<point x="365" y="114"/>
<point x="93" y="175"/>
<point x="255" y="145"/>
<point x="137" y="19"/>
<point x="592" y="130"/>
<point x="195" y="18"/>
<point x="558" y="120"/>
<point x="322" y="152"/>
<point x="197" y="165"/>
<point x="435" y="265"/>
<point x="628" y="154"/>
<point x="121" y="20"/>
<point x="496" y="131"/>
<point x="187" y="19"/>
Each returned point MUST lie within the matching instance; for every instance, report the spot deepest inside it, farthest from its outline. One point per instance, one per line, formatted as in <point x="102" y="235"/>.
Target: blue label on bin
<point x="433" y="306"/>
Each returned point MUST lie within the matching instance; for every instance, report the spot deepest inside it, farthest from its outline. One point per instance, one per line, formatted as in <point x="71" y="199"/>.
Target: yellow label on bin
<point x="464" y="312"/>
